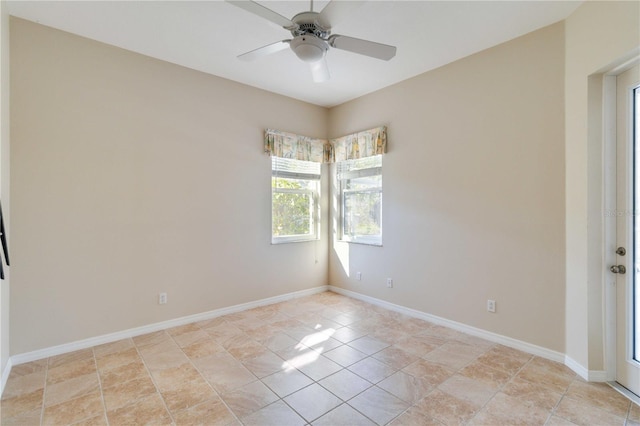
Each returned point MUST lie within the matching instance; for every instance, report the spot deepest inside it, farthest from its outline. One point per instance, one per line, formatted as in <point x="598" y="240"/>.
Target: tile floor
<point x="320" y="360"/>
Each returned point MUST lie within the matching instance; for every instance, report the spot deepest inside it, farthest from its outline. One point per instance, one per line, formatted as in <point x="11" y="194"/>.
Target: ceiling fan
<point x="312" y="36"/>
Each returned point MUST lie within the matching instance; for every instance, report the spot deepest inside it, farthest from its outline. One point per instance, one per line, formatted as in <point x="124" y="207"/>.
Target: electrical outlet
<point x="162" y="298"/>
<point x="491" y="305"/>
<point x="389" y="283"/>
<point x="359" y="276"/>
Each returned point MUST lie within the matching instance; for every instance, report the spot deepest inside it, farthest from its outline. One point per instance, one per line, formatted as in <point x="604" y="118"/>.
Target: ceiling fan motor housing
<point x="309" y="48"/>
<point x="309" y="42"/>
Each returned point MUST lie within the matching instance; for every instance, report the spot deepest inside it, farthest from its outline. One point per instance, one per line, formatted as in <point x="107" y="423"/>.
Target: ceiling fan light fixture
<point x="309" y="48"/>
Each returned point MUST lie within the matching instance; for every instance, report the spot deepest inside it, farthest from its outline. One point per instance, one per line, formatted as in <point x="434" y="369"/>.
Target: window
<point x="295" y="194"/>
<point x="361" y="199"/>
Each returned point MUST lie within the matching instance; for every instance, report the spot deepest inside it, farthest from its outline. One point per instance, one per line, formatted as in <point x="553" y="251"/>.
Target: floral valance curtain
<point x="357" y="145"/>
<point x="296" y="147"/>
<point x="360" y="145"/>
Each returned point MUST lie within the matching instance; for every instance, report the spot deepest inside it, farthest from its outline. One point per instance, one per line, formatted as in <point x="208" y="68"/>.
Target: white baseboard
<point x="112" y="337"/>
<point x="478" y="332"/>
<point x="5" y="376"/>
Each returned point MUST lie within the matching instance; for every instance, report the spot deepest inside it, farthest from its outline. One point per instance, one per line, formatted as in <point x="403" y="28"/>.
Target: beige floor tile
<point x="279" y="341"/>
<point x="532" y="393"/>
<point x="599" y="395"/>
<point x="312" y="402"/>
<point x="125" y="393"/>
<point x="266" y="364"/>
<point x="319" y="368"/>
<point x="372" y="369"/>
<point x="146" y="411"/>
<point x="100" y="420"/>
<point x="378" y="405"/>
<point x="345" y="355"/>
<point x="189" y="338"/>
<point x="430" y="371"/>
<point x="212" y="412"/>
<point x="523" y="357"/>
<point x="123" y="373"/>
<point x="343" y="415"/>
<point x="408" y="388"/>
<point x="187" y="394"/>
<point x="165" y="359"/>
<point x="276" y="414"/>
<point x="74" y="410"/>
<point x="415" y="346"/>
<point x="172" y="378"/>
<point x="182" y="329"/>
<point x="582" y="413"/>
<point x="151" y="338"/>
<point x="446" y="408"/>
<point x="474" y="392"/>
<point x="345" y="384"/>
<point x="229" y="379"/>
<point x="202" y="349"/>
<point x="71" y="370"/>
<point x="414" y="417"/>
<point x="550" y="378"/>
<point x="24" y="403"/>
<point x="114" y="359"/>
<point x="80" y="355"/>
<point x="24" y="384"/>
<point x="287" y="382"/>
<point x="71" y="389"/>
<point x="634" y="413"/>
<point x="395" y="358"/>
<point x="482" y="372"/>
<point x="502" y="362"/>
<point x="450" y="356"/>
<point x="558" y="421"/>
<point x="28" y="368"/>
<point x="264" y="357"/>
<point x="28" y="418"/>
<point x="347" y="334"/>
<point x="249" y="398"/>
<point x="507" y="410"/>
<point x="109" y="348"/>
<point x="245" y="348"/>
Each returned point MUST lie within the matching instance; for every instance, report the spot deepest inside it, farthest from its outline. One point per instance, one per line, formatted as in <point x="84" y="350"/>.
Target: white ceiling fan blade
<point x="263" y="12"/>
<point x="363" y="47"/>
<point x="335" y="11"/>
<point x="265" y="50"/>
<point x="320" y="70"/>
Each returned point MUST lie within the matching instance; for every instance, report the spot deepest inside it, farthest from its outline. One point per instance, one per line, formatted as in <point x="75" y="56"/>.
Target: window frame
<point x="314" y="201"/>
<point x="342" y="177"/>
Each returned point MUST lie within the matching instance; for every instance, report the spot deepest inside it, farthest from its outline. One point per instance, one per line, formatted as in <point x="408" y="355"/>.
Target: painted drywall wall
<point x="598" y="36"/>
<point x="4" y="179"/>
<point x="473" y="191"/>
<point x="131" y="176"/>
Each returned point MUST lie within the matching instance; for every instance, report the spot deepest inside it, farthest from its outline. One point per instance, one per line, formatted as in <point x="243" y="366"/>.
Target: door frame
<point x="609" y="157"/>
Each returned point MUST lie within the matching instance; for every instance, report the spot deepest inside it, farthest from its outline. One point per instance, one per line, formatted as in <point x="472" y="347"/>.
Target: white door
<point x="628" y="230"/>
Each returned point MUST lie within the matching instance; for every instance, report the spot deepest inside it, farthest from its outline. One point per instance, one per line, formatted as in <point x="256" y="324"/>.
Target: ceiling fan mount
<point x="312" y="37"/>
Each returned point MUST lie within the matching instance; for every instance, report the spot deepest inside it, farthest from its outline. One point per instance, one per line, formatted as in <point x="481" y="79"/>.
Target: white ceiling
<point x="208" y="35"/>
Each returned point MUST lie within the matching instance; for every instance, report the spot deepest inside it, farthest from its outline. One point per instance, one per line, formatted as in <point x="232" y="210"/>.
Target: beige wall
<point x="599" y="35"/>
<point x="473" y="189"/>
<point x="4" y="177"/>
<point x="131" y="176"/>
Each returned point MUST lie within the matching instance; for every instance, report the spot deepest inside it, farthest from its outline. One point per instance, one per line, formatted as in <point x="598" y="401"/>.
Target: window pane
<point x="362" y="213"/>
<point x="292" y="214"/>
<point x="277" y="182"/>
<point x="364" y="182"/>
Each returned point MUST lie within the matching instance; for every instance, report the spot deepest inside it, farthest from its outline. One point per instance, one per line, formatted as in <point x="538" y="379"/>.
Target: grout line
<point x="104" y="405"/>
<point x="44" y="392"/>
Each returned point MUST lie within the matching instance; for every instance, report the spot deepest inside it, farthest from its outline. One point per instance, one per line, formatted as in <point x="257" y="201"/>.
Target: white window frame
<point x="314" y="197"/>
<point x="343" y="177"/>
